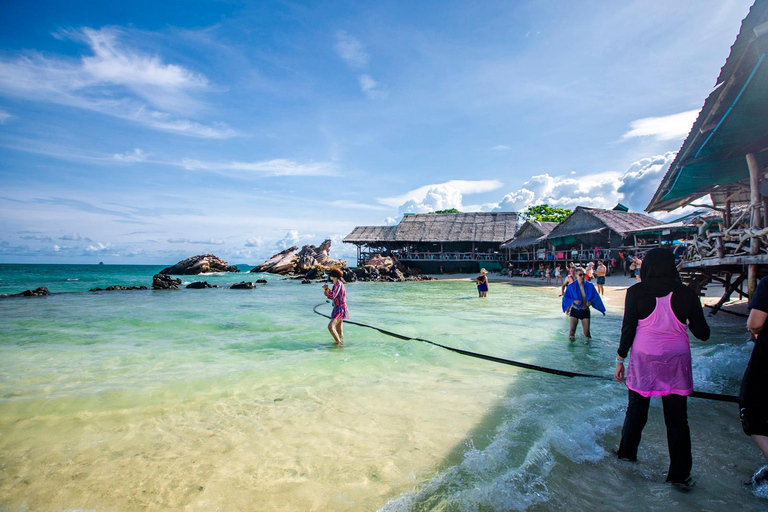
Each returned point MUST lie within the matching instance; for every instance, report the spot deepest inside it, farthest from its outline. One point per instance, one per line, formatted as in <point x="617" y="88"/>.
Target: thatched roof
<point x="371" y="234"/>
<point x="732" y="123"/>
<point x="530" y="233"/>
<point x="592" y="220"/>
<point x="441" y="227"/>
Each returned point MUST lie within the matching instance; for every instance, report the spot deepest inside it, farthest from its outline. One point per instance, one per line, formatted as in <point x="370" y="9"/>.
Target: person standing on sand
<point x="340" y="312"/>
<point x="658" y="312"/>
<point x="558" y="275"/>
<point x="638" y="263"/>
<point x="482" y="283"/>
<point x="579" y="296"/>
<point x="600" y="272"/>
<point x="753" y="394"/>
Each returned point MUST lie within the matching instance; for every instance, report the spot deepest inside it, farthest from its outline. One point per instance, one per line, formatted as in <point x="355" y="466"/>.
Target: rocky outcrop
<point x="283" y="263"/>
<point x="244" y="285"/>
<point x="37" y="292"/>
<point x="312" y="262"/>
<point x="117" y="287"/>
<point x="198" y="285"/>
<point x="162" y="282"/>
<point x="201" y="264"/>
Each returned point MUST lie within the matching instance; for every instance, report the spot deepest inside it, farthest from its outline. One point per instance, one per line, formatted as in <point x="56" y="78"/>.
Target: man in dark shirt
<point x="753" y="395"/>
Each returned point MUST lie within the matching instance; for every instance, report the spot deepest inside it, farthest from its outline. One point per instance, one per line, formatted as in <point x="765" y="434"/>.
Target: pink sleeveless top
<point x="660" y="357"/>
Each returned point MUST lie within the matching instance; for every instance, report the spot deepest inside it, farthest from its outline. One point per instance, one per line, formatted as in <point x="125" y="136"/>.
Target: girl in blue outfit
<point x="482" y="283"/>
<point x="579" y="296"/>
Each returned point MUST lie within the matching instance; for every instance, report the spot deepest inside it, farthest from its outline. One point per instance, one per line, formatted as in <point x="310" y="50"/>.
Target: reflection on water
<point x="233" y="400"/>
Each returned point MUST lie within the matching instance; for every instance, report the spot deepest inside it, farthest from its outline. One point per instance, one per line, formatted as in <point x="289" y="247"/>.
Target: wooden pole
<point x="727" y="214"/>
<point x="754" y="197"/>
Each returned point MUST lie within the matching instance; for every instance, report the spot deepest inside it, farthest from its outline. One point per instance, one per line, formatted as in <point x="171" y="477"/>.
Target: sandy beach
<point x="615" y="291"/>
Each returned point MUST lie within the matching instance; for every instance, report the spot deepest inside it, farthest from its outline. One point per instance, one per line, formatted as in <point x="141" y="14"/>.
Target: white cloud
<point x="114" y="80"/>
<point x="371" y="87"/>
<point x="501" y="147"/>
<point x="292" y="238"/>
<point x="211" y="241"/>
<point x="99" y="247"/>
<point x="4" y="116"/>
<point x="74" y="237"/>
<point x="137" y="155"/>
<point x="257" y="242"/>
<point x="275" y="167"/>
<point x="351" y="50"/>
<point x="341" y="203"/>
<point x="37" y="238"/>
<point x="462" y="187"/>
<point x="675" y="126"/>
<point x="633" y="188"/>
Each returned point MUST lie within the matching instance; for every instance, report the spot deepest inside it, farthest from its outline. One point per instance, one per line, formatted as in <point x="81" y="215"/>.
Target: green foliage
<point x="452" y="210"/>
<point x="546" y="213"/>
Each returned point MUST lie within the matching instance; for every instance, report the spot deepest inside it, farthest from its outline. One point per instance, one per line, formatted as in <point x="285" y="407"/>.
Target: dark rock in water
<point x="200" y="285"/>
<point x="306" y="281"/>
<point x="117" y="287"/>
<point x="161" y="282"/>
<point x="348" y="275"/>
<point x="37" y="292"/>
<point x="261" y="281"/>
<point x="309" y="261"/>
<point x="244" y="285"/>
<point x="201" y="264"/>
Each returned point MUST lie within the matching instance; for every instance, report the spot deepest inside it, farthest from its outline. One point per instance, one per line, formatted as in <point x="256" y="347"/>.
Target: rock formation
<point x="312" y="262"/>
<point x="37" y="292"/>
<point x="244" y="285"/>
<point x="201" y="285"/>
<point x="201" y="264"/>
<point x="162" y="282"/>
<point x="117" y="287"/>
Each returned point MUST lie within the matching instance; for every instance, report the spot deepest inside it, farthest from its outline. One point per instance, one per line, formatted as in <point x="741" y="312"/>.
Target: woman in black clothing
<point x="657" y="313"/>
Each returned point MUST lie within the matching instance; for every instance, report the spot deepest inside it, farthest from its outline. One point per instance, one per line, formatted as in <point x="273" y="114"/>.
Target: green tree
<point x="546" y="213"/>
<point x="452" y="210"/>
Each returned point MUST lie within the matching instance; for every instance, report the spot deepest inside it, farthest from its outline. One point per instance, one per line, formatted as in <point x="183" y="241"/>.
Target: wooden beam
<point x="754" y="200"/>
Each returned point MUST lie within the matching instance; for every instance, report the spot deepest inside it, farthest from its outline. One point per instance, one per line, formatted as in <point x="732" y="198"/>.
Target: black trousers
<point x="678" y="433"/>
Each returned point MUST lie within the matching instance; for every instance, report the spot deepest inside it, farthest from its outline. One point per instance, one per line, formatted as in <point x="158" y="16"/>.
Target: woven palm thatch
<point x="591" y="220"/>
<point x="440" y="227"/>
<point x="531" y="233"/>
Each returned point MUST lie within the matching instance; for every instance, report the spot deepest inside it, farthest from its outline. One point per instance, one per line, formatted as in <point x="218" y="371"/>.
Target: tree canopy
<point x="545" y="213"/>
<point x="451" y="210"/>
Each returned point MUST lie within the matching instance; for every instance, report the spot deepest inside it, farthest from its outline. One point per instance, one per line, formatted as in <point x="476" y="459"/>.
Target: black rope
<point x="544" y="369"/>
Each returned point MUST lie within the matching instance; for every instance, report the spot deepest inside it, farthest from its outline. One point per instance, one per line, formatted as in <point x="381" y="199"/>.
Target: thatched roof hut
<point x="432" y="241"/>
<point x="531" y="233"/>
<point x="598" y="227"/>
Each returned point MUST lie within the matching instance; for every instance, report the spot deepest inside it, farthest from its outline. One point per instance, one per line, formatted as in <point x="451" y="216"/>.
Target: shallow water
<point x="226" y="399"/>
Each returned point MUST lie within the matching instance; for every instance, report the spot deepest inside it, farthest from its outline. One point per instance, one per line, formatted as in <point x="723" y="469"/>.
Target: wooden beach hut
<point x="591" y="233"/>
<point x="439" y="242"/>
<point x="529" y="246"/>
<point x="725" y="157"/>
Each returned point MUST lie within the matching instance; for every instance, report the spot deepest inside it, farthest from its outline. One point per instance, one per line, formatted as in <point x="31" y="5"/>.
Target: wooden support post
<point x="727" y="218"/>
<point x="727" y="295"/>
<point x="754" y="196"/>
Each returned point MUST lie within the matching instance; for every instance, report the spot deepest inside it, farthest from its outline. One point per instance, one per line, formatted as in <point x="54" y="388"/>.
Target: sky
<point x="147" y="132"/>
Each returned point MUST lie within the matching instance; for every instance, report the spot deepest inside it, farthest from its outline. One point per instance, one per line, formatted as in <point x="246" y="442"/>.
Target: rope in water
<point x="544" y="369"/>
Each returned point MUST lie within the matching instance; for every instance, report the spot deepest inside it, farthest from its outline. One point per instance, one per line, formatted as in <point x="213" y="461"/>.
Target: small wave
<point x="69" y="279"/>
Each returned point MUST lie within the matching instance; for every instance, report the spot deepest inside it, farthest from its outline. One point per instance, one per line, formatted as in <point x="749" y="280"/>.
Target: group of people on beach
<point x="658" y="312"/>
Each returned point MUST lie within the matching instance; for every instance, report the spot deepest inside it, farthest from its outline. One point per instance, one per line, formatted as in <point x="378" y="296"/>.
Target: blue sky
<point x="147" y="132"/>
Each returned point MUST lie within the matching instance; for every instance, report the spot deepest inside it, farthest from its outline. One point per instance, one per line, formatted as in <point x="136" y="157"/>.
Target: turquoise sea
<point x="221" y="399"/>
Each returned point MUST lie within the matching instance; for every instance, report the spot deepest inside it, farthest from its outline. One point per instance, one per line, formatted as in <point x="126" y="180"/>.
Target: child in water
<point x="340" y="312"/>
<point x="482" y="283"/>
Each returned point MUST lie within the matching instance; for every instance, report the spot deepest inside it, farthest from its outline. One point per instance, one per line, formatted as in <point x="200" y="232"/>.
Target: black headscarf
<point x="659" y="268"/>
